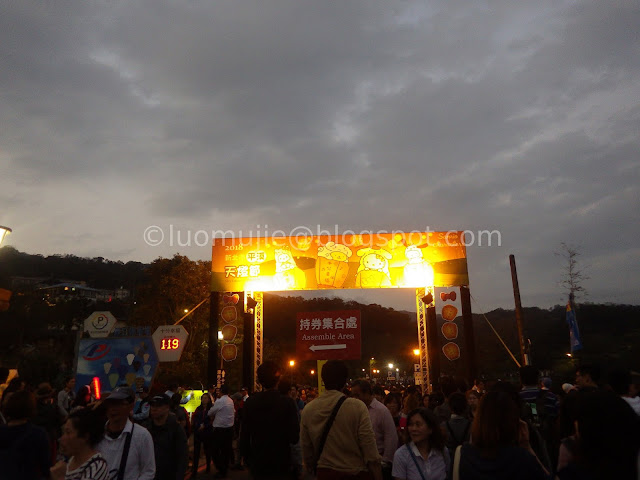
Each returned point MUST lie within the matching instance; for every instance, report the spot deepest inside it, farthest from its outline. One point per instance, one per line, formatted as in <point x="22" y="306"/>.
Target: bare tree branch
<point x="573" y="276"/>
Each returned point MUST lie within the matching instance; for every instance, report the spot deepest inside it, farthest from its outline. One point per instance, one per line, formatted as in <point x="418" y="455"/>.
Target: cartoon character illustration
<point x="333" y="265"/>
<point x="284" y="260"/>
<point x="373" y="271"/>
<point x="416" y="269"/>
<point x="287" y="276"/>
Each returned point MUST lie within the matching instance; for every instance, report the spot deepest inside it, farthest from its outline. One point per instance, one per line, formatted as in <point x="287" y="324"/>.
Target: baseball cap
<point x="122" y="393"/>
<point x="161" y="399"/>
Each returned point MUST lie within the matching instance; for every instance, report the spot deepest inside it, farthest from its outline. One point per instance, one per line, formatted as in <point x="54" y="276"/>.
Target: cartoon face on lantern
<point x="373" y="271"/>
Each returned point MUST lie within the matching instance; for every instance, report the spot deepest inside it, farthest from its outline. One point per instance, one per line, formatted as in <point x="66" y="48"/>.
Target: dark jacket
<point x="24" y="452"/>
<point x="510" y="463"/>
<point x="269" y="426"/>
<point x="199" y="418"/>
<point x="170" y="448"/>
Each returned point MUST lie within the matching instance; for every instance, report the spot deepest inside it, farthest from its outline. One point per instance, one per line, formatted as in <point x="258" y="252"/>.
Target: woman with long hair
<point x="424" y="456"/>
<point x="202" y="432"/>
<point x="499" y="447"/>
<point x="80" y="434"/>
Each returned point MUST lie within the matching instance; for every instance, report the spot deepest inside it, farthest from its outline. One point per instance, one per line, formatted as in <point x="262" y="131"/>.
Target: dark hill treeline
<point x="610" y="333"/>
<point x="97" y="272"/>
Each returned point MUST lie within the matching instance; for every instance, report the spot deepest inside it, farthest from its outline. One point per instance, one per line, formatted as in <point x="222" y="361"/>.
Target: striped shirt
<point x="95" y="468"/>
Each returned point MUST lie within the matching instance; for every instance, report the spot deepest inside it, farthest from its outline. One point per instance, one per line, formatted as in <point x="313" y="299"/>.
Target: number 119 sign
<point x="169" y="341"/>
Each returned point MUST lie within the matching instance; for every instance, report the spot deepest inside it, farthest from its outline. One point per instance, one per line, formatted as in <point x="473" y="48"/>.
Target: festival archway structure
<point x="434" y="264"/>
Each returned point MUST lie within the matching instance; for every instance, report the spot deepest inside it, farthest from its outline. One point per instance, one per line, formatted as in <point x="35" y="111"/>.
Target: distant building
<point x="68" y="291"/>
<point x="28" y="283"/>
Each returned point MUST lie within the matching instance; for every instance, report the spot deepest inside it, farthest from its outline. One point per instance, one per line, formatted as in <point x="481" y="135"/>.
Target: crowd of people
<point x="352" y="430"/>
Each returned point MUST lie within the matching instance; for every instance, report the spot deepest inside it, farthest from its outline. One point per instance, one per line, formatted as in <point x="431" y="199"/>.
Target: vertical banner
<point x="449" y="307"/>
<point x="575" y="343"/>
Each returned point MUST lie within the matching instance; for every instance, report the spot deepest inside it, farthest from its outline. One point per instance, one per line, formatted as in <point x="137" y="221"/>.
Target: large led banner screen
<point x="377" y="260"/>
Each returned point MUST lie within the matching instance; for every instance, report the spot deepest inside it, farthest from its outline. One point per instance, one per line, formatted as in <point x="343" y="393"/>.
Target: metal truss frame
<point x="258" y="337"/>
<point x="421" y="312"/>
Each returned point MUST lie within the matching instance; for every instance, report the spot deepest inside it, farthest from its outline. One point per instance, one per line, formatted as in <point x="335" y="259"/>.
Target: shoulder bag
<point x="327" y="427"/>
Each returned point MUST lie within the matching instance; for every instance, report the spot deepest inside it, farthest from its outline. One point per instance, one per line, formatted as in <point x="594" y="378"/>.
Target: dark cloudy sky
<point x="517" y="116"/>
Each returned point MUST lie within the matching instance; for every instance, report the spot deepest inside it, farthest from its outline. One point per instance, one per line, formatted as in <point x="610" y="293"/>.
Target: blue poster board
<point x="116" y="361"/>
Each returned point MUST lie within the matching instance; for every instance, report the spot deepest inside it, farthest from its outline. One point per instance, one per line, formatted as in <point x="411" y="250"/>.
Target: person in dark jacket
<point x="48" y="416"/>
<point x="458" y="427"/>
<point x="607" y="439"/>
<point x="269" y="428"/>
<point x="169" y="440"/>
<point x="24" y="448"/>
<point x="202" y="433"/>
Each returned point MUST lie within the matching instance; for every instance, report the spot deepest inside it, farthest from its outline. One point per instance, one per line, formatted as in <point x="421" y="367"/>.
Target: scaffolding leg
<point x="421" y="311"/>
<point x="257" y="338"/>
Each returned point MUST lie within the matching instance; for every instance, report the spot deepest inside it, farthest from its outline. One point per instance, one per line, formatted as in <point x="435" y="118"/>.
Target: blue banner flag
<point x="574" y="332"/>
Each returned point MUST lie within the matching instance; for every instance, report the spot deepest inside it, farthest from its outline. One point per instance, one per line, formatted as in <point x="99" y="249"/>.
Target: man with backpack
<point x="539" y="410"/>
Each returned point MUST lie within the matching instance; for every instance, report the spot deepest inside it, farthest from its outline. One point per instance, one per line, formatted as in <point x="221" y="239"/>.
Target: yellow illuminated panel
<point x="389" y="260"/>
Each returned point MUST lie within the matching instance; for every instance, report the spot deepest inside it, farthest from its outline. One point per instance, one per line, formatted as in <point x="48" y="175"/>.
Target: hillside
<point x="610" y="333"/>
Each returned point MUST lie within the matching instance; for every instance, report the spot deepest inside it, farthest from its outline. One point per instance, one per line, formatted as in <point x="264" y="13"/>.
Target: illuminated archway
<point x="417" y="260"/>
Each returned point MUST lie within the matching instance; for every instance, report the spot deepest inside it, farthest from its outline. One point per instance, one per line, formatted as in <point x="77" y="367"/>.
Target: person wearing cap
<point x="127" y="448"/>
<point x="169" y="440"/>
<point x="223" y="413"/>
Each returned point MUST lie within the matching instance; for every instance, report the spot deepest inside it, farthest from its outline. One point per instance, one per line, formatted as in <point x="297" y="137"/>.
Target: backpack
<point x="454" y="441"/>
<point x="541" y="427"/>
<point x="535" y="413"/>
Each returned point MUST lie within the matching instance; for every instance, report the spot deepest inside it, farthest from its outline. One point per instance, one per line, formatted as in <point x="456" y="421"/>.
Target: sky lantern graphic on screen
<point x="332" y="267"/>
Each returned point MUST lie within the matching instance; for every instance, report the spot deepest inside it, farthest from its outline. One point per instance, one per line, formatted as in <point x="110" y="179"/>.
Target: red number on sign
<point x="169" y="344"/>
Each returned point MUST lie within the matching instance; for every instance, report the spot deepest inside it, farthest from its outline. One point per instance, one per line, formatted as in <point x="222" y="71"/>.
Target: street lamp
<point x="391" y="365"/>
<point x="416" y="351"/>
<point x="221" y="337"/>
<point x="4" y="231"/>
<point x="291" y="364"/>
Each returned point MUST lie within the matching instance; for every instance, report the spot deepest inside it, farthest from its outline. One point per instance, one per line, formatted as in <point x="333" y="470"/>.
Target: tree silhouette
<point x="573" y="275"/>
